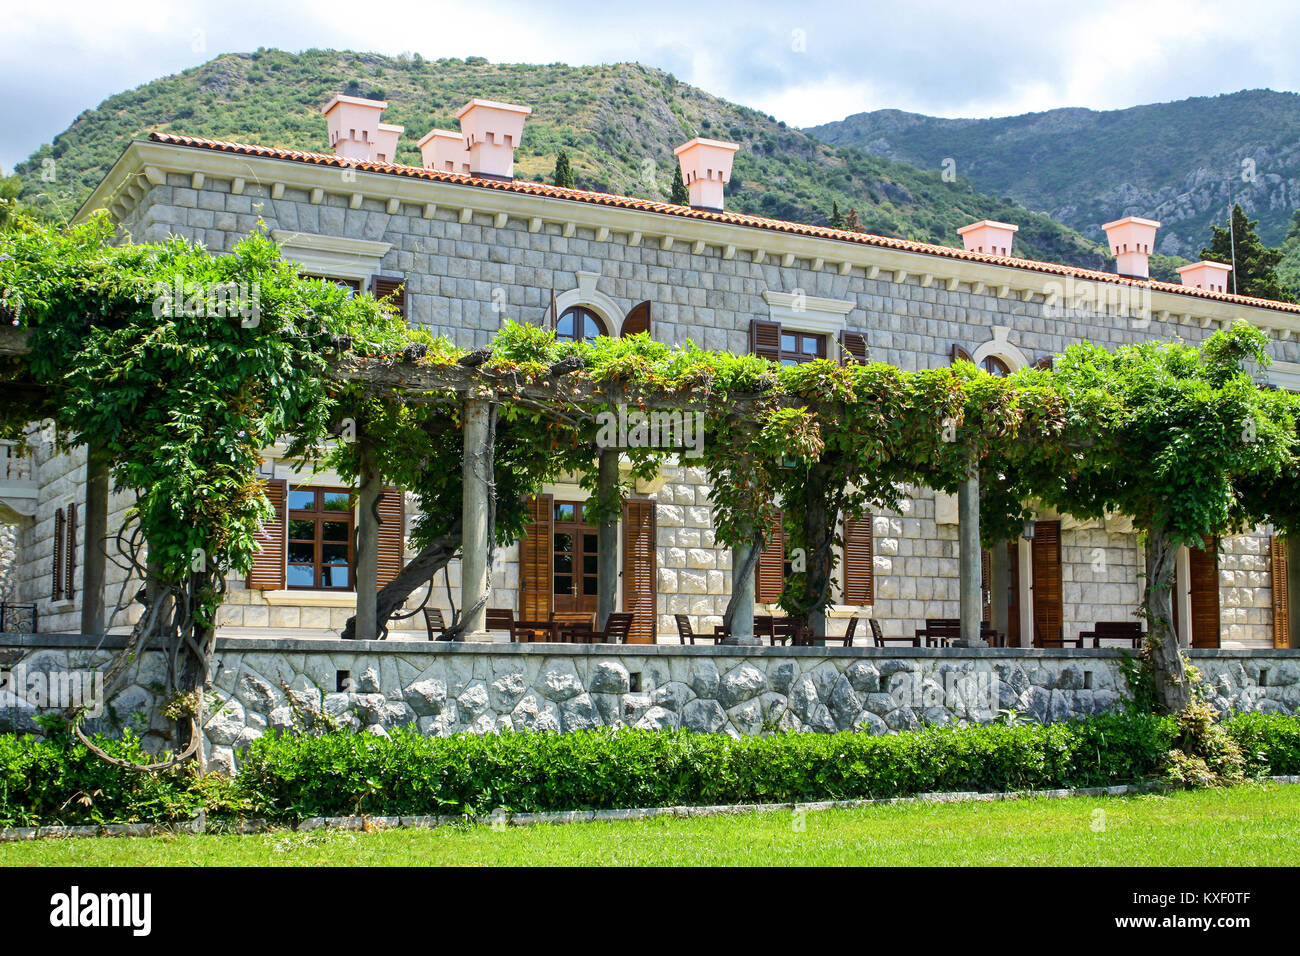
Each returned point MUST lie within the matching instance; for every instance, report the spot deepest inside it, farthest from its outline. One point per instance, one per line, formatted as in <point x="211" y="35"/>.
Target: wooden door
<point x="1049" y="604"/>
<point x="640" y="577"/>
<point x="574" y="559"/>
<point x="1281" y="593"/>
<point x="1013" y="593"/>
<point x="1203" y="586"/>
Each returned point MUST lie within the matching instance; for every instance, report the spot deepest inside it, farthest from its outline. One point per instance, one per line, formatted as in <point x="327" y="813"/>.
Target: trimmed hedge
<point x="290" y="777"/>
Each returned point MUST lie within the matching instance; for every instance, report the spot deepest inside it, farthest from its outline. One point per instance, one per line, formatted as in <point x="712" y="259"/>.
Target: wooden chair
<point x="503" y="619"/>
<point x="688" y="635"/>
<point x="1129" y="632"/>
<point x="763" y="627"/>
<point x="433" y="623"/>
<point x="848" y="632"/>
<point x="616" y="629"/>
<point x="576" y="625"/>
<point x="879" y="640"/>
<point x="785" y="629"/>
<point x="1056" y="640"/>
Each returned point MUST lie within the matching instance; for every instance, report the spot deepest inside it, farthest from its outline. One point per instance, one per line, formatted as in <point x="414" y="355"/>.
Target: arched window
<point x="995" y="366"/>
<point x="579" y="324"/>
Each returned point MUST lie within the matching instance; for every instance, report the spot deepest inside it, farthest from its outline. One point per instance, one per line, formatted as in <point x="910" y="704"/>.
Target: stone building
<point x="461" y="245"/>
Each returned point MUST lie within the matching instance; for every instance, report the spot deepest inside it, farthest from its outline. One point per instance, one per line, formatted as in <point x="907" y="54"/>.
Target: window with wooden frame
<point x="320" y="551"/>
<point x="579" y="324"/>
<point x="352" y="285"/>
<point x="390" y="289"/>
<point x="63" y="568"/>
<point x="788" y="346"/>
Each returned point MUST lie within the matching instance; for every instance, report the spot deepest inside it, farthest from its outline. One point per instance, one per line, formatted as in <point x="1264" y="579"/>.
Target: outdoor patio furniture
<point x="617" y="628"/>
<point x="1128" y="632"/>
<point x="433" y="623"/>
<point x="1056" y="639"/>
<point x="688" y="635"/>
<point x="786" y="629"/>
<point x="503" y="619"/>
<point x="879" y="639"/>
<point x="573" y="627"/>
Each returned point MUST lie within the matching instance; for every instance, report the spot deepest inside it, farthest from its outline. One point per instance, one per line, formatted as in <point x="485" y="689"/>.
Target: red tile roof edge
<point x="729" y="218"/>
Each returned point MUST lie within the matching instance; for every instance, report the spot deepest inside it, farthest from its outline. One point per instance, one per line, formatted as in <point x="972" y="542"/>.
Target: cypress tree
<point x="1254" y="266"/>
<point x="837" y="220"/>
<point x="563" y="171"/>
<point x="679" y="195"/>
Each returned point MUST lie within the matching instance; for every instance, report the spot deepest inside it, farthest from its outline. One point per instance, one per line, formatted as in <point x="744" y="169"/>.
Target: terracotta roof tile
<point x="730" y="218"/>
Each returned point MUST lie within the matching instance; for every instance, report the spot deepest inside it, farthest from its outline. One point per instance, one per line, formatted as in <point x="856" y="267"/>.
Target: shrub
<point x="1270" y="743"/>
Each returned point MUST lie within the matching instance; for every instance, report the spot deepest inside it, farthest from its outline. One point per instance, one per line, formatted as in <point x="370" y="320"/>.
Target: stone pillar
<point x="969" y="551"/>
<point x="742" y="590"/>
<point x="367" y="544"/>
<point x="476" y="479"/>
<point x="95" y="529"/>
<point x="607" y="539"/>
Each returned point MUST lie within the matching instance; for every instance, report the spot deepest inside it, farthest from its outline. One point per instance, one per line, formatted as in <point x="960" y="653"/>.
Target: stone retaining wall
<point x="373" y="687"/>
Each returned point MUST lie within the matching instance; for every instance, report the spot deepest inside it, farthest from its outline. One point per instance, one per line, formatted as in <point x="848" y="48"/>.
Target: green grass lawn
<point x="1247" y="825"/>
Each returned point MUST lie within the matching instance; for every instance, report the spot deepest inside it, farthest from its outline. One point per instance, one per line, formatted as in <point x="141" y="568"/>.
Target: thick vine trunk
<point x="419" y="570"/>
<point x="1171" y="687"/>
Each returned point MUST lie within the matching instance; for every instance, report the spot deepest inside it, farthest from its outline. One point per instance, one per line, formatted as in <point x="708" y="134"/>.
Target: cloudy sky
<point x="805" y="63"/>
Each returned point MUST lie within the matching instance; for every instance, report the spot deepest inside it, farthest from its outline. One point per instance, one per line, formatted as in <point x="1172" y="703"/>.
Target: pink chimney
<point x="1131" y="239"/>
<point x="356" y="132"/>
<point x="444" y="150"/>
<point x="1211" y="276"/>
<point x="706" y="169"/>
<point x="491" y="132"/>
<point x="989" y="237"/>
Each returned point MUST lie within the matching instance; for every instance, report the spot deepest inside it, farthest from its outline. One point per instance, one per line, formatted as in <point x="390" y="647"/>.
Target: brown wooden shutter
<point x="769" y="575"/>
<point x="765" y="339"/>
<point x="1281" y="594"/>
<point x="267" y="573"/>
<point x="986" y="586"/>
<point x="535" y="552"/>
<point x="855" y="347"/>
<point x="391" y="289"/>
<point x="637" y="320"/>
<point x="959" y="354"/>
<point x="56" y="582"/>
<point x="640" y="575"/>
<point x="70" y="557"/>
<point x="1044" y="363"/>
<point x="1013" y="594"/>
<point x="392" y="537"/>
<point x="859" y="562"/>
<point x="1203" y="581"/>
<point x="1046" y="568"/>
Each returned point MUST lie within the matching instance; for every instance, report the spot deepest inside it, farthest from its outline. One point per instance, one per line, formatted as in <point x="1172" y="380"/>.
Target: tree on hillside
<point x="10" y="187"/>
<point x="851" y="222"/>
<point x="837" y="217"/>
<point x="1288" y="267"/>
<point x="563" y="171"/>
<point x="679" y="194"/>
<point x="1254" y="265"/>
<point x="1180" y="439"/>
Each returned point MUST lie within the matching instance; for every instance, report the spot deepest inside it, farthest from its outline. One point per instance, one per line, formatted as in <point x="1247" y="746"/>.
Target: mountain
<point x="1175" y="162"/>
<point x="618" y="122"/>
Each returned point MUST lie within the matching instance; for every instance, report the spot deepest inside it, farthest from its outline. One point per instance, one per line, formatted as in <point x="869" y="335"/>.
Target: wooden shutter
<point x="392" y="537"/>
<point x="855" y="347"/>
<point x="56" y="582"/>
<point x="859" y="562"/>
<point x="986" y="586"/>
<point x="1046" y="567"/>
<point x="959" y="354"/>
<point x="770" y="573"/>
<point x="765" y="339"/>
<point x="1044" y="363"/>
<point x="1281" y="594"/>
<point x="640" y="576"/>
<point x="1013" y="594"/>
<point x="1203" y="583"/>
<point x="535" y="552"/>
<point x="391" y="289"/>
<point x="267" y="573"/>
<point x="70" y="557"/>
<point x="637" y="320"/>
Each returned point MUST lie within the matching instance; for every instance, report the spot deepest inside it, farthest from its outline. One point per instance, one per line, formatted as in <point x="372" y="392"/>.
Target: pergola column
<point x="476" y="478"/>
<point x="96" y="531"/>
<point x="367" y="543"/>
<point x="742" y="590"/>
<point x="607" y="538"/>
<point x="969" y="558"/>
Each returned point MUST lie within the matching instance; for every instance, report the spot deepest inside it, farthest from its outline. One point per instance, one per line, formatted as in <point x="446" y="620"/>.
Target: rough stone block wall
<point x="374" y="687"/>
